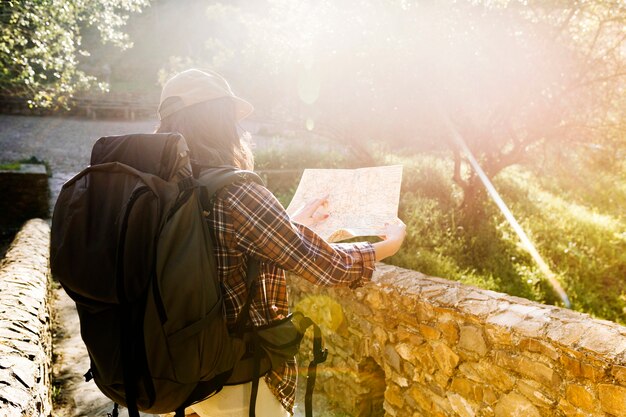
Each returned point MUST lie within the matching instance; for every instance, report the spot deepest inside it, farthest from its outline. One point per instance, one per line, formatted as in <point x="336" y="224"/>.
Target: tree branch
<point x="457" y="177"/>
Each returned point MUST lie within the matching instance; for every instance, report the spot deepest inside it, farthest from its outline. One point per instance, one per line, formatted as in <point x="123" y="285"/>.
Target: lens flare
<point x="526" y="242"/>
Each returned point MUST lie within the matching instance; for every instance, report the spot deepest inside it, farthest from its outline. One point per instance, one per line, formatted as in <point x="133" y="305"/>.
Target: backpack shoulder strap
<point x="214" y="179"/>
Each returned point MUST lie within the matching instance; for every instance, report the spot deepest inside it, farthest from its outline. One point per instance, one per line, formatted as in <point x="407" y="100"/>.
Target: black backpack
<point x="130" y="245"/>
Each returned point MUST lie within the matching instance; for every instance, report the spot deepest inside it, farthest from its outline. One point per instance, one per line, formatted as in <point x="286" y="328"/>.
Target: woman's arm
<point x="263" y="229"/>
<point x="393" y="236"/>
<point x="392" y="240"/>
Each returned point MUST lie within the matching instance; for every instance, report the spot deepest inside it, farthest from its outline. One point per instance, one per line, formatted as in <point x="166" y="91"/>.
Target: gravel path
<point x="65" y="144"/>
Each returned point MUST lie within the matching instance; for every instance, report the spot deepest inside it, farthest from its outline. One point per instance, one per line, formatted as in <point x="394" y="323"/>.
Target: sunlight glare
<point x="526" y="242"/>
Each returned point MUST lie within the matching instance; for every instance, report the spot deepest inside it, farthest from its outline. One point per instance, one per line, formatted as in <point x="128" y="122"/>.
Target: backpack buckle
<point x="320" y="356"/>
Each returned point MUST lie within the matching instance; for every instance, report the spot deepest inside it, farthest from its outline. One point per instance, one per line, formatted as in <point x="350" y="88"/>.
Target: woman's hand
<point x="312" y="213"/>
<point x="393" y="236"/>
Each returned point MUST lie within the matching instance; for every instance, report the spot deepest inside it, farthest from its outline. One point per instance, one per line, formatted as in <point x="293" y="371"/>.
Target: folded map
<point x="360" y="201"/>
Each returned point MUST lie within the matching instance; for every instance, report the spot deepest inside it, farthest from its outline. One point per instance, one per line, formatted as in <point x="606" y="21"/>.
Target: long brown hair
<point x="210" y="129"/>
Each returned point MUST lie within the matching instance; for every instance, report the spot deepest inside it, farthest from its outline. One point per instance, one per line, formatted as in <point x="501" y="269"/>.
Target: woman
<point x="247" y="221"/>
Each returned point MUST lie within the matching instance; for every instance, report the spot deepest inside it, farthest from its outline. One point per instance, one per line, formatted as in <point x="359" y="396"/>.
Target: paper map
<point x="360" y="201"/>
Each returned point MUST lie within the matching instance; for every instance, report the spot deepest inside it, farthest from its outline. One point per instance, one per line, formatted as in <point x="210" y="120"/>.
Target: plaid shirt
<point x="248" y="221"/>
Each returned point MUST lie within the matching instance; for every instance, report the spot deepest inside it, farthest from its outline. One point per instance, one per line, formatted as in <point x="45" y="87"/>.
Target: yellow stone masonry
<point x="446" y="349"/>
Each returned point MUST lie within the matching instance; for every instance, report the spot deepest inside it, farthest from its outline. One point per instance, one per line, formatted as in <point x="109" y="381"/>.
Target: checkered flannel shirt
<point x="248" y="221"/>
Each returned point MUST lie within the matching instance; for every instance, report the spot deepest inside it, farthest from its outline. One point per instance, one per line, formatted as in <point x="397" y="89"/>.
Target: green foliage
<point x="282" y="163"/>
<point x="10" y="166"/>
<point x="40" y="45"/>
<point x="300" y="156"/>
<point x="583" y="239"/>
<point x="577" y="228"/>
<point x="584" y="244"/>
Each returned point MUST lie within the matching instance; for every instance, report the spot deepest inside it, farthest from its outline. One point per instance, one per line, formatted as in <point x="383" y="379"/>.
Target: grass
<point x="10" y="166"/>
<point x="17" y="165"/>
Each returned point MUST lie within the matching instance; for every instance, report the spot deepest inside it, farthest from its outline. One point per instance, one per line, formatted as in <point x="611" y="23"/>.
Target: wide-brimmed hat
<point x="194" y="86"/>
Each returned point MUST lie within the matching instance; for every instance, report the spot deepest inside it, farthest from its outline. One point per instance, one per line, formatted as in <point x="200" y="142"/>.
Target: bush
<point x="583" y="245"/>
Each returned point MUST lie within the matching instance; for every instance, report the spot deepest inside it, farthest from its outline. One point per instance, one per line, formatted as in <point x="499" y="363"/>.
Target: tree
<point x="513" y="76"/>
<point x="40" y="45"/>
<point x="572" y="93"/>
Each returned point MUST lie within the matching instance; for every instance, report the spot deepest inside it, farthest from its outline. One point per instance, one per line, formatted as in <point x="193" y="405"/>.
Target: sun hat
<point x="194" y="86"/>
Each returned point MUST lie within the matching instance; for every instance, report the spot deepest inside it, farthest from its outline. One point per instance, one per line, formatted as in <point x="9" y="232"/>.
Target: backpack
<point x="130" y="245"/>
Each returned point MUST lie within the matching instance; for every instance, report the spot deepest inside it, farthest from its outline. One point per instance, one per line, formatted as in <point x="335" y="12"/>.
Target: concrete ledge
<point x="407" y="344"/>
<point x="25" y="196"/>
<point x="25" y="337"/>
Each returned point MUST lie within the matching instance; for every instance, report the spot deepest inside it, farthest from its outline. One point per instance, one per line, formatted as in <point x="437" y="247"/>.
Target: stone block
<point x="450" y="297"/>
<point x="389" y="409"/>
<point x="409" y="335"/>
<point x="471" y="339"/>
<point x="461" y="406"/>
<point x="613" y="399"/>
<point x="380" y="335"/>
<point x="537" y="346"/>
<point x="408" y="370"/>
<point x="463" y="386"/>
<point x="446" y="358"/>
<point x="507" y="319"/>
<point x="399" y="380"/>
<point x="488" y="373"/>
<point x="473" y="391"/>
<point x="507" y="360"/>
<point x="478" y="308"/>
<point x="441" y="379"/>
<point x="619" y="373"/>
<point x="15" y="395"/>
<point x="489" y="395"/>
<point x="592" y="372"/>
<point x="425" y="360"/>
<point x="441" y="405"/>
<point x="567" y="334"/>
<point x="407" y="351"/>
<point x="532" y="327"/>
<point x="374" y="300"/>
<point x="528" y="310"/>
<point x="430" y="332"/>
<point x="603" y="340"/>
<point x="540" y="372"/>
<point x="569" y="410"/>
<point x="425" y="312"/>
<point x="392" y="358"/>
<point x="423" y="397"/>
<point x="406" y="318"/>
<point x="537" y="393"/>
<point x="498" y="336"/>
<point x="571" y="365"/>
<point x="580" y="396"/>
<point x="434" y="290"/>
<point x="515" y="405"/>
<point x="450" y="331"/>
<point x="530" y="368"/>
<point x="393" y="396"/>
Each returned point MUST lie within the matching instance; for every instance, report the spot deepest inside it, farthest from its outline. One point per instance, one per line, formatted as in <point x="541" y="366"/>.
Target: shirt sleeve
<point x="264" y="230"/>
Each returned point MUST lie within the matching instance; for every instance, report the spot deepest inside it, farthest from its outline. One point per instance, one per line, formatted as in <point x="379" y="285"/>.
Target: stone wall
<point x="405" y="345"/>
<point x="25" y="339"/>
<point x="409" y="345"/>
